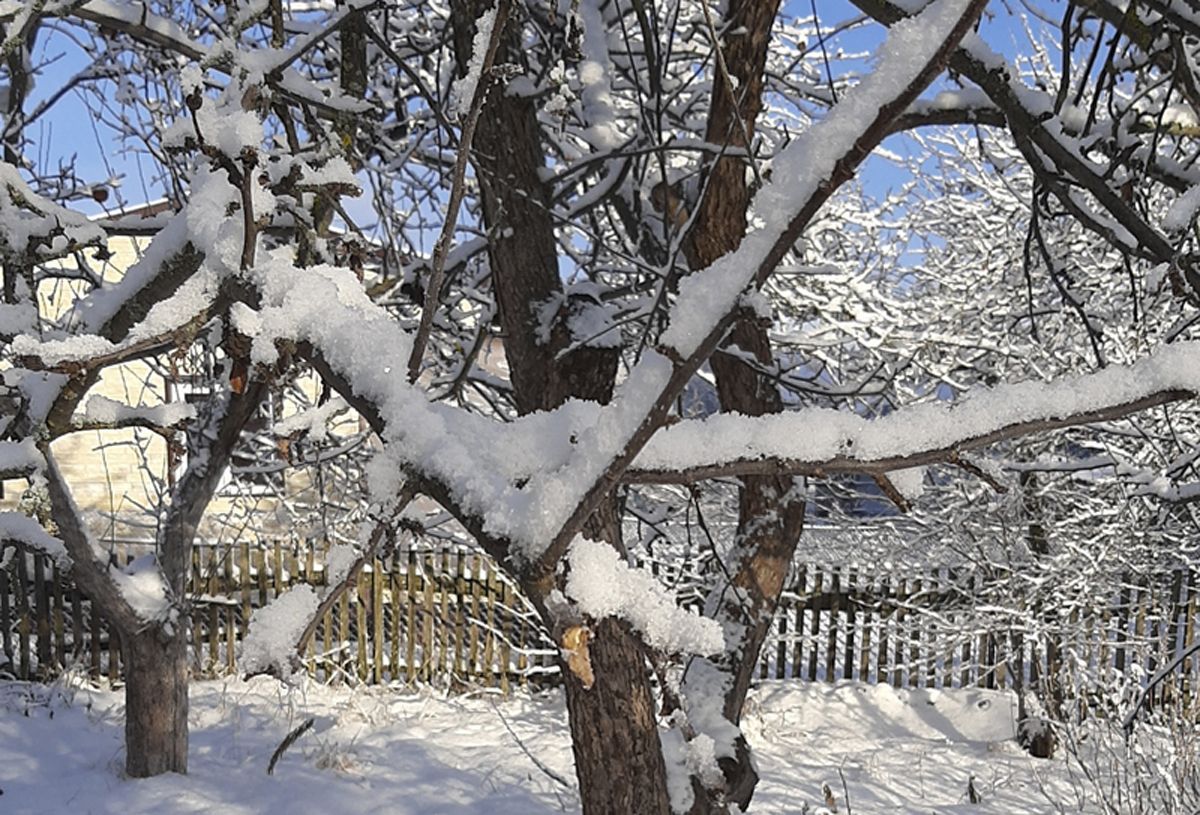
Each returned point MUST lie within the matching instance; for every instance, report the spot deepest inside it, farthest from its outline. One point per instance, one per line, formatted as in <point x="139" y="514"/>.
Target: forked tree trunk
<point x="614" y="732"/>
<point x="156" y="703"/>
<point x="618" y="755"/>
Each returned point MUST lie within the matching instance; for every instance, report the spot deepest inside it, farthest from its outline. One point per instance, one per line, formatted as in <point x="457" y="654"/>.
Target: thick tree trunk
<point x="156" y="703"/>
<point x="614" y="732"/>
<point x="614" y="728"/>
<point x="618" y="756"/>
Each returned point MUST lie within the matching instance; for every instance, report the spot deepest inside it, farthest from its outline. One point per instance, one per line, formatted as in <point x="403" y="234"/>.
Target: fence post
<point x="868" y="611"/>
<point x="898" y="618"/>
<point x="1189" y="632"/>
<point x="361" y="598"/>
<point x="460" y="615"/>
<point x="931" y="649"/>
<point x="445" y="581"/>
<point x="914" y="639"/>
<point x="396" y="587"/>
<point x="883" y="616"/>
<point x="489" y="642"/>
<point x="812" y="603"/>
<point x="60" y="639"/>
<point x="377" y="621"/>
<point x="24" y="624"/>
<point x="41" y="604"/>
<point x="1175" y="607"/>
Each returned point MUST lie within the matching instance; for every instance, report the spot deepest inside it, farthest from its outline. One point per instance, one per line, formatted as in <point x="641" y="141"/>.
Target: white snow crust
<point x="102" y="410"/>
<point x="275" y="628"/>
<point x="603" y="585"/>
<point x="18" y="527"/>
<point x="142" y="585"/>
<point x="407" y="752"/>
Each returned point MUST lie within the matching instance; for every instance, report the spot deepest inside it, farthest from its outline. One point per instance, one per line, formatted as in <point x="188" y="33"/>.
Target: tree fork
<point x="614" y="732"/>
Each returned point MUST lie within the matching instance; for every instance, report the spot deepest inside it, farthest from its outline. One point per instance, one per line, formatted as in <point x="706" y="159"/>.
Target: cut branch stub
<point x="574" y="644"/>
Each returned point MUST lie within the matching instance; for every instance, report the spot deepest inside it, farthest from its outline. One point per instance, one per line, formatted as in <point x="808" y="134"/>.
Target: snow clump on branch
<point x="604" y="586"/>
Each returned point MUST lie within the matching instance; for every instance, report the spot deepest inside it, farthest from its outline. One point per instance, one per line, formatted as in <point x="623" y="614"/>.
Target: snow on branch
<point x="172" y="283"/>
<point x="91" y="570"/>
<point x="36" y="228"/>
<point x="572" y="464"/>
<point x="19" y="459"/>
<point x="102" y="413"/>
<point x="274" y="630"/>
<point x="138" y="21"/>
<point x="144" y="588"/>
<point x="603" y="585"/>
<point x="807" y="171"/>
<point x="819" y="441"/>
<point x="16" y="527"/>
<point x="280" y="631"/>
<point x="805" y="175"/>
<point x="1043" y="138"/>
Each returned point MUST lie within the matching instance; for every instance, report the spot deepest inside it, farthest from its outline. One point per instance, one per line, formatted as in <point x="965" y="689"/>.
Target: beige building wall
<point x="120" y="477"/>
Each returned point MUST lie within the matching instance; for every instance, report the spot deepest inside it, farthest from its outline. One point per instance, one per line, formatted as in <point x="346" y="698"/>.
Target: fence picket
<point x="866" y="609"/>
<point x="831" y="636"/>
<point x="884" y="616"/>
<point x="851" y="622"/>
<point x="798" y="628"/>
<point x="377" y="621"/>
<point x="410" y="617"/>
<point x="6" y="624"/>
<point x="929" y="642"/>
<point x="62" y="659"/>
<point x="41" y="604"/>
<point x="898" y="617"/>
<point x="1189" y="630"/>
<point x="814" y="625"/>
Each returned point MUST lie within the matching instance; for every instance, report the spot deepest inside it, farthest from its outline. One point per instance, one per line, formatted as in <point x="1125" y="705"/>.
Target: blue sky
<point x="69" y="127"/>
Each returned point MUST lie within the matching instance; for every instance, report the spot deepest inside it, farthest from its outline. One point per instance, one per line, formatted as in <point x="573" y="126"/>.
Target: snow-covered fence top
<point x="445" y="615"/>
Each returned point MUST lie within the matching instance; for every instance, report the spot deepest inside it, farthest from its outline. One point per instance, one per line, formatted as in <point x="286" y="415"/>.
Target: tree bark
<point x="156" y="703"/>
<point x="614" y="732"/>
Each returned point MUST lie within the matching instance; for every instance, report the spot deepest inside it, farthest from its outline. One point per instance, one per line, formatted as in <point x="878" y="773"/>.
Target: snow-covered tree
<point x="637" y="201"/>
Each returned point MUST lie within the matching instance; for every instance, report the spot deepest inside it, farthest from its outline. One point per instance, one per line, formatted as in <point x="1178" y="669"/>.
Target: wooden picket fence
<point x="444" y="614"/>
<point x="926" y="630"/>
<point x="448" y="615"/>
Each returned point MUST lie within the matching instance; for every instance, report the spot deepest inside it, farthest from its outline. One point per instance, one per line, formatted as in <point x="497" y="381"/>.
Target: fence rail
<point x="448" y="615"/>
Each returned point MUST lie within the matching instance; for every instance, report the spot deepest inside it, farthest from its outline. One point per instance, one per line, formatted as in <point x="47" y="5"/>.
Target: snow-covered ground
<point x="391" y="751"/>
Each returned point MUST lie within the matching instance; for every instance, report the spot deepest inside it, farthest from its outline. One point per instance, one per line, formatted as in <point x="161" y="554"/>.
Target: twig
<point x="383" y="530"/>
<point x="459" y="183"/>
<point x="845" y="791"/>
<point x="977" y="471"/>
<point x="287" y="742"/>
<point x="892" y="492"/>
<point x="536" y="762"/>
<point x="1155" y="681"/>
